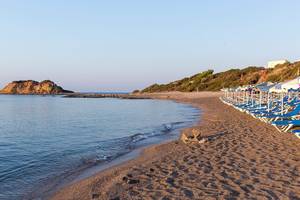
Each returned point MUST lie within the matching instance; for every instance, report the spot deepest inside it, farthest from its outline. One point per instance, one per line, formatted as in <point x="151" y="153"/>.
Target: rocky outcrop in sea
<point x="33" y="87"/>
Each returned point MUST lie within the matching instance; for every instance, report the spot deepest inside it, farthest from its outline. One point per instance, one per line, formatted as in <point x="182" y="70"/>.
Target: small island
<point x="32" y="87"/>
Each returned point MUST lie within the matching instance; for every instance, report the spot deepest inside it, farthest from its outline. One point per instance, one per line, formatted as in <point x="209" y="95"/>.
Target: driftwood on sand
<point x="192" y="135"/>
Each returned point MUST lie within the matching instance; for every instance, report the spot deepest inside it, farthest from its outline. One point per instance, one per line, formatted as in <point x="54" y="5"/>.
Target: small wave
<point x="117" y="147"/>
<point x="162" y="130"/>
<point x="168" y="127"/>
<point x="124" y="145"/>
<point x="138" y="137"/>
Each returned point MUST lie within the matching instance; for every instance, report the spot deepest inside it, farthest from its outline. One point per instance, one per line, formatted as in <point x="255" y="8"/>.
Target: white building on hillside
<point x="272" y="64"/>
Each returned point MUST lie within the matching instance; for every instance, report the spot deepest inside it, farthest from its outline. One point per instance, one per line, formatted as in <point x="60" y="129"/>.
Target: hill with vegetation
<point x="210" y="81"/>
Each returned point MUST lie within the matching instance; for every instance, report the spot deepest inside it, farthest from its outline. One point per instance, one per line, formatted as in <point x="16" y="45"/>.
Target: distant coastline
<point x="107" y="95"/>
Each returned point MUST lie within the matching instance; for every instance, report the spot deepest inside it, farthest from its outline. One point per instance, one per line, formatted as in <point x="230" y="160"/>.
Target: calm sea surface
<point x="45" y="139"/>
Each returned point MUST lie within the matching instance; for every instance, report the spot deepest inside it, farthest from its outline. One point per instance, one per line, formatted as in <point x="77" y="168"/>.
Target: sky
<point x="122" y="45"/>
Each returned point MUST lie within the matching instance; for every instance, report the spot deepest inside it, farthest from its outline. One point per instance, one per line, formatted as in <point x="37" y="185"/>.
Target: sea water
<point x="46" y="139"/>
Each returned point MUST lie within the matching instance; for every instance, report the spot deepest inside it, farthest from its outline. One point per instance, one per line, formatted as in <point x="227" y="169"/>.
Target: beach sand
<point x="244" y="159"/>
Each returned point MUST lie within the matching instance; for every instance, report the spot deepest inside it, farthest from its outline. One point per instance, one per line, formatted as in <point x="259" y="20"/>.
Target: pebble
<point x="95" y="196"/>
<point x="152" y="170"/>
<point x="132" y="181"/>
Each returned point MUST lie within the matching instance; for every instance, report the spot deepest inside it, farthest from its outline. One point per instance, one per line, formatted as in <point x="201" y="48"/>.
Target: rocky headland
<point x="45" y="87"/>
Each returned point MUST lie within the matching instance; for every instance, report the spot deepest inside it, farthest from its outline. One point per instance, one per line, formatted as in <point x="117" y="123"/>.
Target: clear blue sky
<point x="123" y="45"/>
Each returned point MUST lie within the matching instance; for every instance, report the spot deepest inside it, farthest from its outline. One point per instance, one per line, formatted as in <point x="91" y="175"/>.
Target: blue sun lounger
<point x="290" y="114"/>
<point x="286" y="124"/>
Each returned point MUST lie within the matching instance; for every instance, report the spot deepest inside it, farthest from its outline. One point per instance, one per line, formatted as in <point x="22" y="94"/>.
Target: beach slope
<point x="242" y="159"/>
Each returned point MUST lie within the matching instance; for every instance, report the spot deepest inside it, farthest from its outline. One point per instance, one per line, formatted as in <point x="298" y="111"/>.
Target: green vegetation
<point x="208" y="81"/>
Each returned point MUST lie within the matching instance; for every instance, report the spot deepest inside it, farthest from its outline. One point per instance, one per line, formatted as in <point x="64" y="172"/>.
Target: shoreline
<point x="89" y="171"/>
<point x="127" y="160"/>
<point x="53" y="186"/>
<point x="218" y="168"/>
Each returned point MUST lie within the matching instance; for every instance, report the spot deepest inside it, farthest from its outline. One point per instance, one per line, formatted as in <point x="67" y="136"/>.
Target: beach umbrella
<point x="277" y="88"/>
<point x="291" y="85"/>
<point x="265" y="87"/>
<point x="286" y="86"/>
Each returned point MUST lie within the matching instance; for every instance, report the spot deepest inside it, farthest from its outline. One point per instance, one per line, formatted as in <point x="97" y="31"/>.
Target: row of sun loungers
<point x="280" y="110"/>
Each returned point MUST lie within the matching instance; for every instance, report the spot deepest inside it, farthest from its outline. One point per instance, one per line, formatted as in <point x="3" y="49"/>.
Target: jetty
<point x="106" y="95"/>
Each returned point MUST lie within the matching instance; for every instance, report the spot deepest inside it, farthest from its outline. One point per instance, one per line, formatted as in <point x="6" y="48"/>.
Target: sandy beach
<point x="244" y="158"/>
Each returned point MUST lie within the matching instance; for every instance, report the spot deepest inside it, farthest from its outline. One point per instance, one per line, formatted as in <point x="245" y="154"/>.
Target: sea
<point x="50" y="141"/>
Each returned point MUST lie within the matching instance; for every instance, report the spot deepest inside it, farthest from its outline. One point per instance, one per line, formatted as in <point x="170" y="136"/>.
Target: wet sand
<point x="244" y="159"/>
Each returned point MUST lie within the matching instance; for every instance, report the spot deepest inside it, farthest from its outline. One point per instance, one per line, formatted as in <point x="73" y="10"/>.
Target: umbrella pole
<point x="252" y="94"/>
<point x="268" y="102"/>
<point x="282" y="103"/>
<point x="260" y="99"/>
<point x="251" y="98"/>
